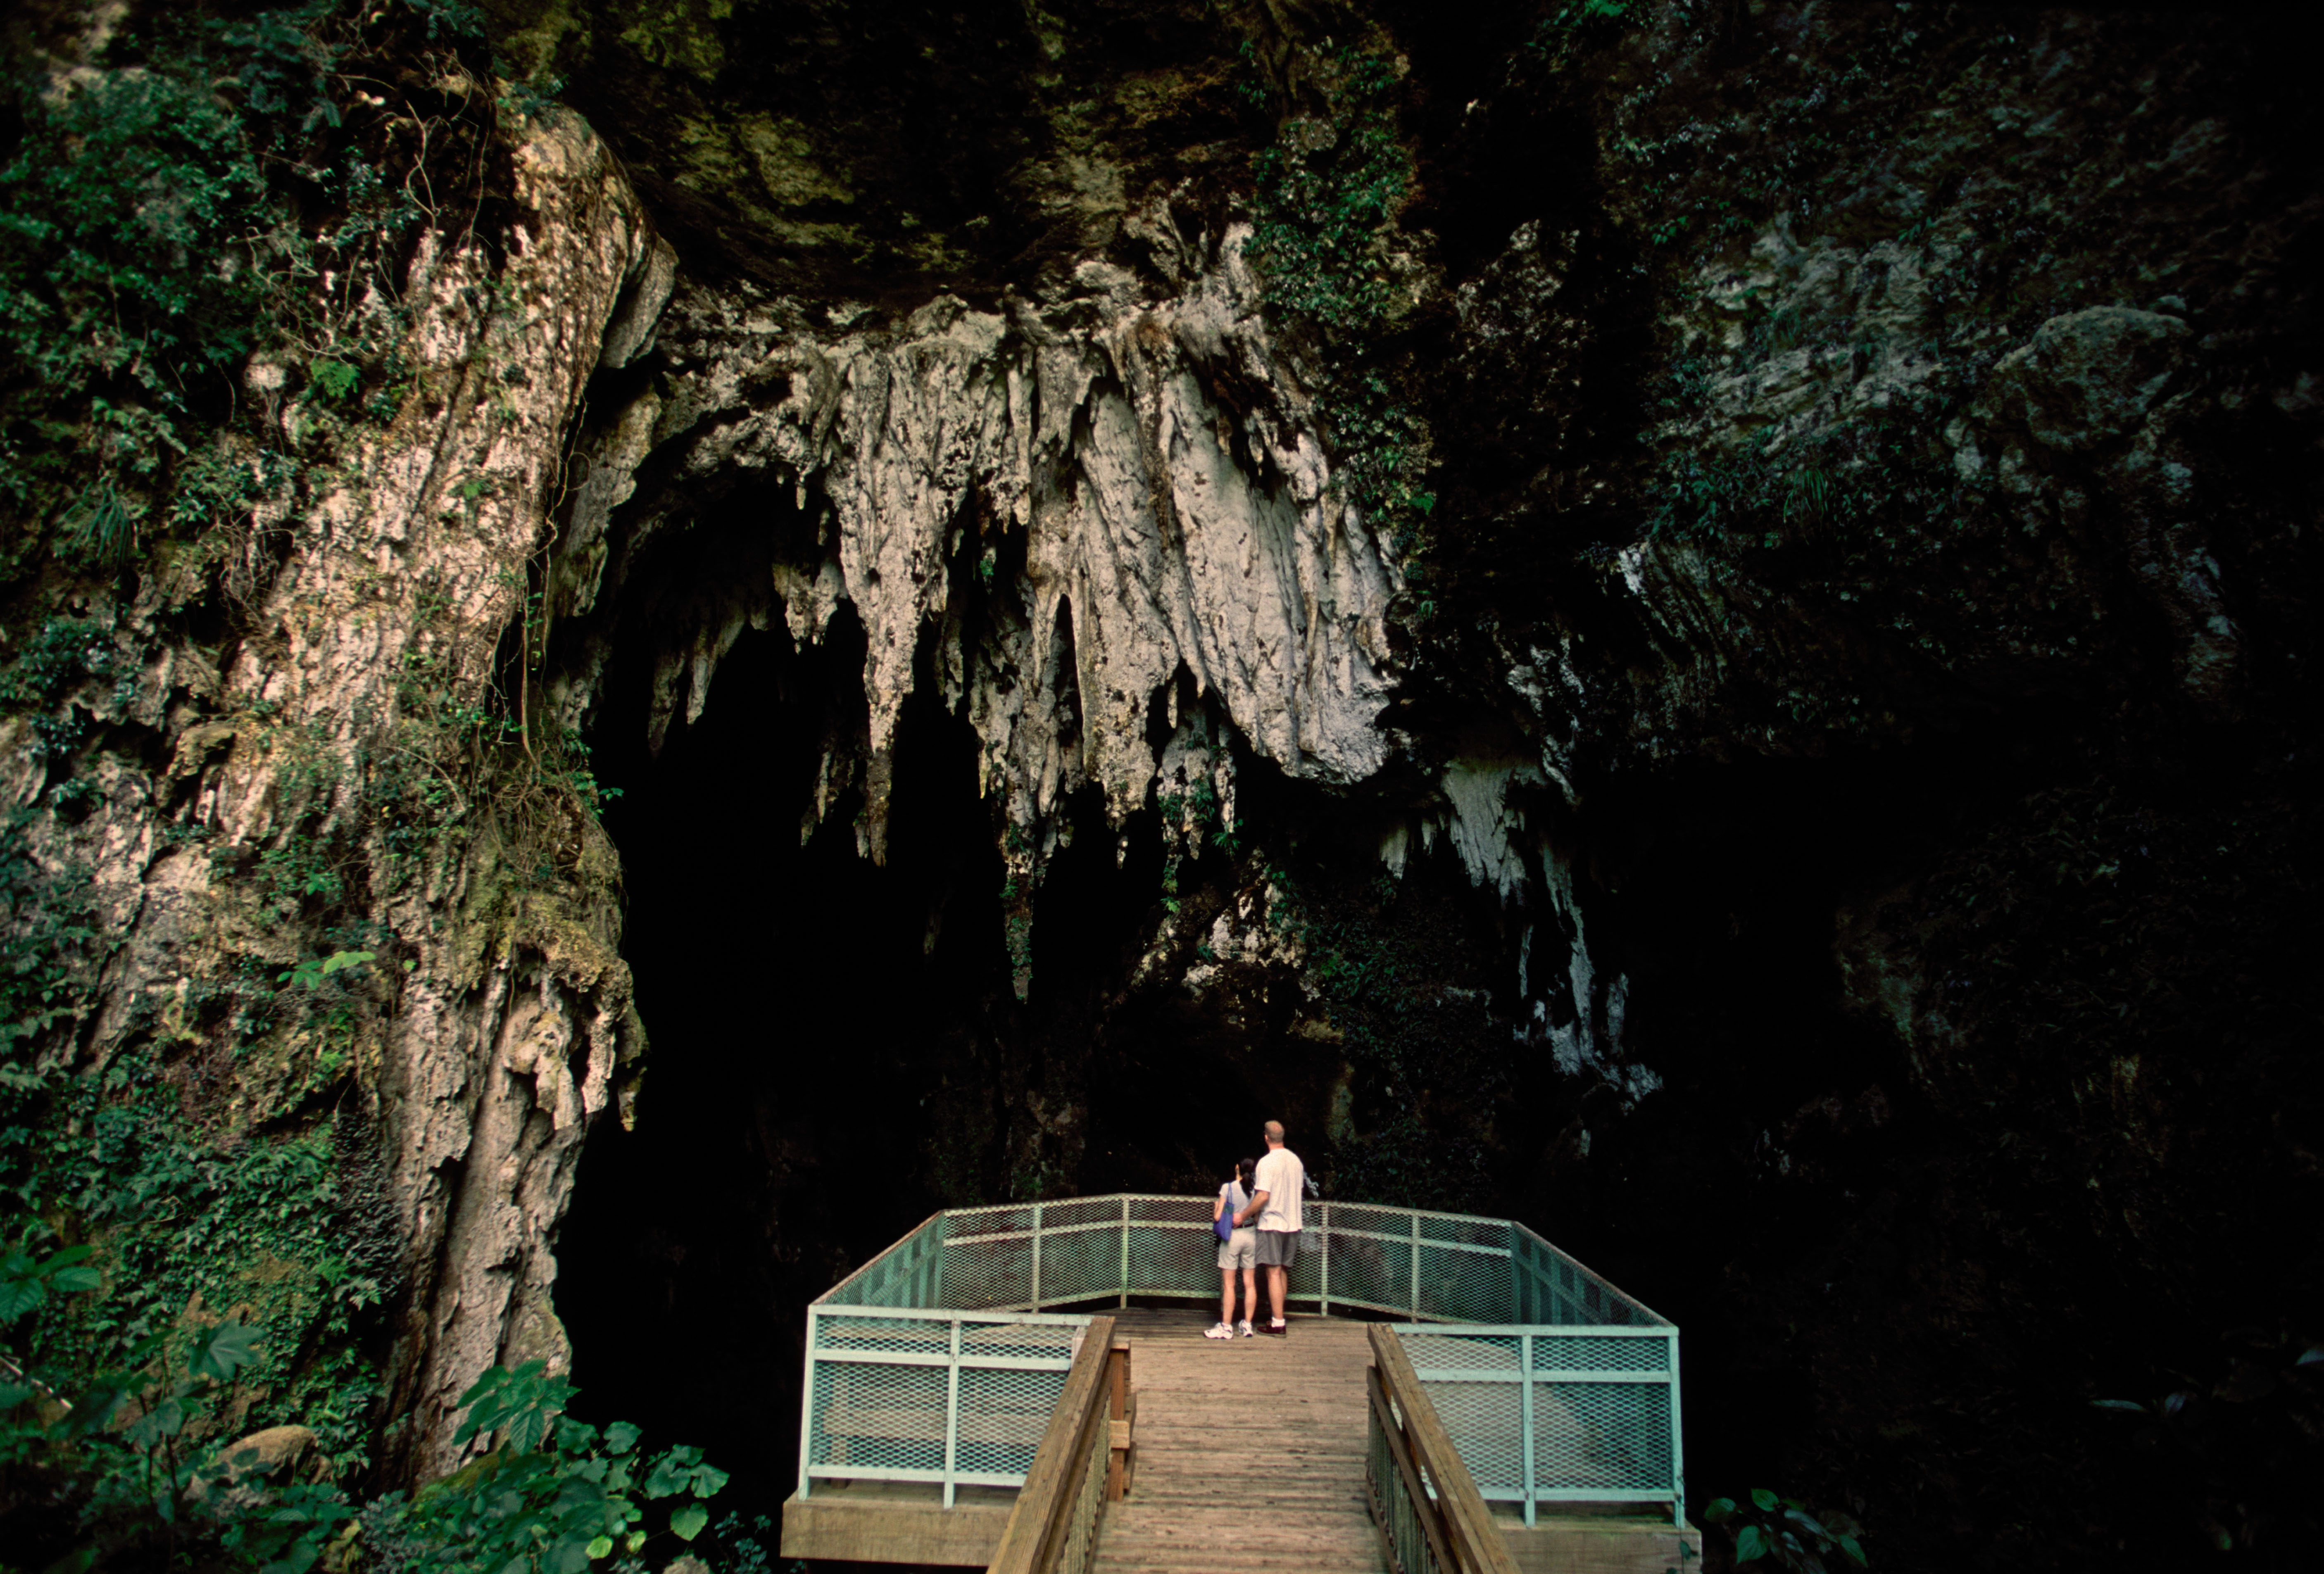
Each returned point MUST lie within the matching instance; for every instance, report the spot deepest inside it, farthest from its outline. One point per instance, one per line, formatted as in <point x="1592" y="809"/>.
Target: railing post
<point x="807" y="1405"/>
<point x="1525" y="1412"/>
<point x="951" y="1414"/>
<point x="1678" y="1453"/>
<point x="1036" y="1257"/>
<point x="1414" y="1310"/>
<point x="1119" y="1404"/>
<point x="1325" y="1210"/>
<point x="1517" y="1281"/>
<point x="1125" y="1248"/>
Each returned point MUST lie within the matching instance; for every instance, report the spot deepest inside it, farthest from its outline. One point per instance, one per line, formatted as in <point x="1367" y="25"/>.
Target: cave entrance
<point x="804" y="1015"/>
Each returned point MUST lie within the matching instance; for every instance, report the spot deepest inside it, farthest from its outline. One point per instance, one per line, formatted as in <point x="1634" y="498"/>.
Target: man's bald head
<point x="1274" y="1130"/>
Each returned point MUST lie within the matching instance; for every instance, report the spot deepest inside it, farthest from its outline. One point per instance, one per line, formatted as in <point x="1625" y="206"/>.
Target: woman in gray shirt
<point x="1238" y="1251"/>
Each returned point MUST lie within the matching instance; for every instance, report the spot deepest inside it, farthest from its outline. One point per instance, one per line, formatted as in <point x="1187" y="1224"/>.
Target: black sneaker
<point x="1278" y="1328"/>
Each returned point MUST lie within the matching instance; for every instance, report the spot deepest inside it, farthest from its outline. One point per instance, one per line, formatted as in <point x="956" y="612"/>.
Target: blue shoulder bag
<point x="1223" y="1226"/>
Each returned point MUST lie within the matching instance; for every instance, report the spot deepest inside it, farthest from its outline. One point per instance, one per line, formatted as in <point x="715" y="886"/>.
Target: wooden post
<point x="1045" y="1504"/>
<point x="1476" y="1541"/>
<point x="1120" y="1401"/>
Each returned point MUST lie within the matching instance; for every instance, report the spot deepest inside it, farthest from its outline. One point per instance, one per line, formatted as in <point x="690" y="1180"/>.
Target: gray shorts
<point x="1278" y="1249"/>
<point x="1236" y="1251"/>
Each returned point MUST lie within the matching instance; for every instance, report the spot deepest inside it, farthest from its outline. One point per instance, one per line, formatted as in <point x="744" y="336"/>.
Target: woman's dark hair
<point x="1245" y="1170"/>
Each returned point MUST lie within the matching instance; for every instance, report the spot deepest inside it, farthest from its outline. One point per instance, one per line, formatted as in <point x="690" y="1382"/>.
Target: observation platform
<point x="1010" y="1434"/>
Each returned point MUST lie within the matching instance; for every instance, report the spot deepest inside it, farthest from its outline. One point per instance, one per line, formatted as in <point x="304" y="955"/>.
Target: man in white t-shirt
<point x="1274" y="1205"/>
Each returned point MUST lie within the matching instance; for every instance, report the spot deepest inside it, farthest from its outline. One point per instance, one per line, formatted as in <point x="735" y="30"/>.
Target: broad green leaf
<point x="602" y="1546"/>
<point x="621" y="1436"/>
<point x="300" y="1558"/>
<point x="2117" y="1404"/>
<point x="1717" y="1511"/>
<point x="1855" y="1550"/>
<point x="165" y="1420"/>
<point x="668" y="1476"/>
<point x="18" y="1296"/>
<point x="687" y="1522"/>
<point x="1766" y="1499"/>
<point x="1807" y="1522"/>
<point x="2313" y="1355"/>
<point x="569" y="1555"/>
<point x="1750" y="1545"/>
<point x="71" y="1281"/>
<point x="227" y="1349"/>
<point x="490" y="1381"/>
<point x="65" y="1258"/>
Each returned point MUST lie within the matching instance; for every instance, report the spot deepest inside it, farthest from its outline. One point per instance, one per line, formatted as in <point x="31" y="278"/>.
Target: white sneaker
<point x="1220" y="1330"/>
<point x="1243" y="1328"/>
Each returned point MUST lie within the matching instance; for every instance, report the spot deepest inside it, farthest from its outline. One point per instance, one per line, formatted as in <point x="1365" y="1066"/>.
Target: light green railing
<point x="938" y="1360"/>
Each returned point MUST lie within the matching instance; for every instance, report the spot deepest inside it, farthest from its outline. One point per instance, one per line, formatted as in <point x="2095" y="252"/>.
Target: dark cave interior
<point x="1866" y="1261"/>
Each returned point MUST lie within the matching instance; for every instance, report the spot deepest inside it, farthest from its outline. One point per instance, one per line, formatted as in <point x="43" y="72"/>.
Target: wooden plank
<point x="1429" y="1513"/>
<point x="1601" y="1544"/>
<point x="1249" y="1453"/>
<point x="1042" y="1504"/>
<point x="1468" y="1522"/>
<point x="882" y="1528"/>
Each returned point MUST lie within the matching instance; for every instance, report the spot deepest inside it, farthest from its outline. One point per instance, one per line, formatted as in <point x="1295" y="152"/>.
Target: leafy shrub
<point x="1329" y="187"/>
<point x="128" y="214"/>
<point x="1785" y="1530"/>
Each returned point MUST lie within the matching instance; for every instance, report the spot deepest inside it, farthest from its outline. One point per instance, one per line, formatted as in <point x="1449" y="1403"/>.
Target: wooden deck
<point x="1249" y="1457"/>
<point x="1251" y="1451"/>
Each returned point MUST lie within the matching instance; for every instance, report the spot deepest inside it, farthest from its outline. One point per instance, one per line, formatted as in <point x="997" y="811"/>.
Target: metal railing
<point x="938" y="1360"/>
<point x="1548" y="1415"/>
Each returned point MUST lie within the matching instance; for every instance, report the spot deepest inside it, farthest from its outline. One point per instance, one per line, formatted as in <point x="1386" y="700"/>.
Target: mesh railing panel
<point x="1487" y="1425"/>
<point x="1601" y="1437"/>
<point x="1020" y="1341"/>
<point x="1080" y="1261"/>
<point x="1590" y="1430"/>
<point x="1366" y="1271"/>
<point x="880" y="1419"/>
<point x="1470" y="1352"/>
<point x="1581" y="1352"/>
<point x="989" y="1272"/>
<point x="1458" y="1230"/>
<point x="1003" y="1415"/>
<point x="1396" y="1222"/>
<point x="1462" y="1285"/>
<point x="1590" y="1298"/>
<point x="1602" y="1428"/>
<point x="900" y="1336"/>
<point x="1082" y="1211"/>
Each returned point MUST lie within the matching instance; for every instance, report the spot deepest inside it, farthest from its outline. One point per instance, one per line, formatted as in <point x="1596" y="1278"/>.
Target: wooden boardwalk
<point x="1251" y="1451"/>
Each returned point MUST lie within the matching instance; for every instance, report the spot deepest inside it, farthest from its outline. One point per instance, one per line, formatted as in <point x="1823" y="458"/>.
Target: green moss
<point x="1328" y="191"/>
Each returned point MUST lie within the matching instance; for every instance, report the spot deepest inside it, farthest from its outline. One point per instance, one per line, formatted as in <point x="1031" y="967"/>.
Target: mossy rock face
<point x="870" y="151"/>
